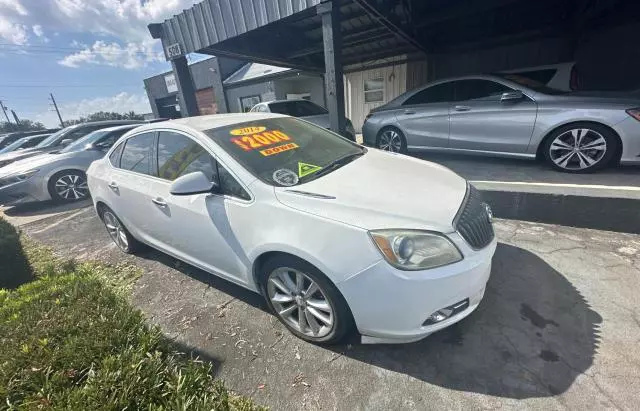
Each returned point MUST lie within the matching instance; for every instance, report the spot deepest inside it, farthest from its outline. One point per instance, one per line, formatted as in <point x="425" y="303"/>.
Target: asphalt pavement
<point x="559" y="328"/>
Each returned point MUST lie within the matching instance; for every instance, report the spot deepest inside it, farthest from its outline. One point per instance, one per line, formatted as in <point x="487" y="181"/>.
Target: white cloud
<point x="130" y="56"/>
<point x="120" y="103"/>
<point x="39" y="32"/>
<point x="123" y="19"/>
<point x="13" y="33"/>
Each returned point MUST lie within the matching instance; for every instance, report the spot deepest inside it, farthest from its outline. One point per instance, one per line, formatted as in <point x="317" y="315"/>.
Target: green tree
<point x="23" y="125"/>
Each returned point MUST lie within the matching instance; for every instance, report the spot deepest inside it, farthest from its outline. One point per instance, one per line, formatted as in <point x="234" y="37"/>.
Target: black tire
<point x="132" y="245"/>
<point x="381" y="143"/>
<point x="342" y="317"/>
<point x="68" y="186"/>
<point x="589" y="134"/>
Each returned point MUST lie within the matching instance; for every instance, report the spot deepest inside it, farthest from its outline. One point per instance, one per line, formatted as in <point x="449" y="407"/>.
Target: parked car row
<point x="54" y="169"/>
<point x="513" y="116"/>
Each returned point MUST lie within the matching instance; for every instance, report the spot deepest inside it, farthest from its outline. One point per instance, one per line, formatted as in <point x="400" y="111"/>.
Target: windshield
<point x="284" y="151"/>
<point x="79" y="144"/>
<point x="53" y="137"/>
<point x="532" y="84"/>
<point x="23" y="142"/>
<point x="297" y="108"/>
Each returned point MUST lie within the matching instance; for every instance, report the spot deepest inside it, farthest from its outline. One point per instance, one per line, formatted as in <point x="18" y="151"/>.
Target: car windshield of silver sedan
<point x="52" y="138"/>
<point x="285" y="151"/>
<point x="81" y="143"/>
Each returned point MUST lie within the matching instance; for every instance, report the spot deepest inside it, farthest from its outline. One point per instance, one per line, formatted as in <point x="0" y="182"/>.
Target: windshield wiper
<point x="337" y="163"/>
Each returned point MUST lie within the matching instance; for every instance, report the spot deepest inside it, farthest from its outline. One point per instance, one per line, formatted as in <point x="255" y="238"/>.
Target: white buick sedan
<point x="335" y="236"/>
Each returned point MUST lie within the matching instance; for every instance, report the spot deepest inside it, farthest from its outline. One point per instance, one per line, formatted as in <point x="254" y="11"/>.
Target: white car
<point x="334" y="235"/>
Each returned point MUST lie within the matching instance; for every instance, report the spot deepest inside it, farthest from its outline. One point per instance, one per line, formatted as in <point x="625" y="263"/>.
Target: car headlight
<point x="414" y="249"/>
<point x="17" y="177"/>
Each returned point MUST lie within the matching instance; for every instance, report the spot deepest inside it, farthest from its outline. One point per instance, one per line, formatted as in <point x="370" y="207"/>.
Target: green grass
<point x="70" y="340"/>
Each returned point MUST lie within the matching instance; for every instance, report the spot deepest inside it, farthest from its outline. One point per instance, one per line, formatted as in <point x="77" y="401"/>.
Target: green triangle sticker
<point x="305" y="169"/>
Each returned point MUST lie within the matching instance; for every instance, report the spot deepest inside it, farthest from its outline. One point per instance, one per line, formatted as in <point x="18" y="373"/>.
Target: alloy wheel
<point x="300" y="302"/>
<point x="390" y="140"/>
<point x="71" y="187"/>
<point x="116" y="230"/>
<point x="578" y="149"/>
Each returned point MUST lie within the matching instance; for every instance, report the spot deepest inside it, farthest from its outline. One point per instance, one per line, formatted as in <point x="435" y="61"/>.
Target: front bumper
<point x="629" y="132"/>
<point x="27" y="191"/>
<point x="391" y="306"/>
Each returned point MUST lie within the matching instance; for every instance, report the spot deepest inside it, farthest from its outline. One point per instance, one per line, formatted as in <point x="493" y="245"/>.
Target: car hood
<point x="74" y="159"/>
<point x="383" y="190"/>
<point x="600" y="97"/>
<point x="29" y="152"/>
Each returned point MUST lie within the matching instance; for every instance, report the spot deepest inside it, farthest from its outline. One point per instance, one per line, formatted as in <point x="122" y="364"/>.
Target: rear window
<point x="541" y="76"/>
<point x="297" y="108"/>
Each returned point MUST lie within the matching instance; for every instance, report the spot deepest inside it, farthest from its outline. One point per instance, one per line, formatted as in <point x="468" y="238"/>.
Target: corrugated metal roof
<point x="213" y="21"/>
<point x="254" y="71"/>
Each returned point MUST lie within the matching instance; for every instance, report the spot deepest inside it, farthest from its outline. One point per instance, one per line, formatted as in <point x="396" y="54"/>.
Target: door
<point x="198" y="228"/>
<point x="424" y="117"/>
<point x="481" y="120"/>
<point x="128" y="186"/>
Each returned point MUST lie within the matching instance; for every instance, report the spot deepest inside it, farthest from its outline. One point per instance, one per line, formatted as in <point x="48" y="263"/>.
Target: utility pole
<point x="53" y="100"/>
<point x="4" y="110"/>
<point x="15" y="117"/>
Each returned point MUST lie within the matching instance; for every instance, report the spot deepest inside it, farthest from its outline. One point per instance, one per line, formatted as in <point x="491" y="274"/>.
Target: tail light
<point x="634" y="112"/>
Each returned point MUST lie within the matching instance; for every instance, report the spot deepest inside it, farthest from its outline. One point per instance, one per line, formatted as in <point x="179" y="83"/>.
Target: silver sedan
<point x="58" y="176"/>
<point x="511" y="116"/>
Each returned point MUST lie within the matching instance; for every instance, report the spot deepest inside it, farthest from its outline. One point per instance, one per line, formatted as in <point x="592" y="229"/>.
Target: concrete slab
<point x="559" y="328"/>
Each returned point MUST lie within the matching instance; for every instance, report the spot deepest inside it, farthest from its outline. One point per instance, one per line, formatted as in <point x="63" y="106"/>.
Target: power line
<point x="17" y="48"/>
<point x="68" y="85"/>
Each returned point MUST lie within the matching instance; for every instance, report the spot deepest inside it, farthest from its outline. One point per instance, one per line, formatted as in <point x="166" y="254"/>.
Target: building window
<point x="247" y="103"/>
<point x="374" y="90"/>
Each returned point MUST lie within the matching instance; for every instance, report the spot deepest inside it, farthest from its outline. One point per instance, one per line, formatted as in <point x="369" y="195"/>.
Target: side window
<point x="439" y="93"/>
<point x="110" y="140"/>
<point x="479" y="89"/>
<point x="114" y="158"/>
<point x="179" y="155"/>
<point x="230" y="186"/>
<point x="136" y="155"/>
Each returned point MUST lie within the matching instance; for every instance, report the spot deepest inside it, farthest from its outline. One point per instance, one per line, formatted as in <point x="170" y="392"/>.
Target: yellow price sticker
<point x="247" y="131"/>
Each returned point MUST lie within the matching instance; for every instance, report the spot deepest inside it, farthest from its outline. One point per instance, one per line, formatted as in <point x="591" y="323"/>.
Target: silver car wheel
<point x="578" y="149"/>
<point x="115" y="229"/>
<point x="390" y="140"/>
<point x="300" y="302"/>
<point x="71" y="187"/>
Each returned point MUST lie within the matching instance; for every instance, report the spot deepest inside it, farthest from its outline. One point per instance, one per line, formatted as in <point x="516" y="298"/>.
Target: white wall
<point x="300" y="85"/>
<point x="395" y="82"/>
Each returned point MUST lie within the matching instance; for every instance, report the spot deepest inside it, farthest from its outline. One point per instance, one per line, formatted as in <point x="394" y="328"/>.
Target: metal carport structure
<point x="327" y="35"/>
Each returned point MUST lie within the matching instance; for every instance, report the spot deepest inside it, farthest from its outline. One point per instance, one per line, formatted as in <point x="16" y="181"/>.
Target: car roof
<point x="106" y="123"/>
<point x="120" y="127"/>
<point x="286" y="101"/>
<point x="208" y="122"/>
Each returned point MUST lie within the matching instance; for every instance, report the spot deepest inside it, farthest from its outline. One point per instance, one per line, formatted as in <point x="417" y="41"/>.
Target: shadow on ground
<point x="15" y="269"/>
<point x="43" y="207"/>
<point x="533" y="334"/>
<point x="204" y="277"/>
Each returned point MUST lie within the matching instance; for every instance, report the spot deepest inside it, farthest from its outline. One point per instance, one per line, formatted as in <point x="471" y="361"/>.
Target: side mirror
<point x="192" y="183"/>
<point x="66" y="142"/>
<point x="511" y="96"/>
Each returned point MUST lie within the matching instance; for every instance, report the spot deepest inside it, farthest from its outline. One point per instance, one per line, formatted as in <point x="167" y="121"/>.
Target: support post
<point x="334" y="81"/>
<point x="186" y="89"/>
<point x="218" y="87"/>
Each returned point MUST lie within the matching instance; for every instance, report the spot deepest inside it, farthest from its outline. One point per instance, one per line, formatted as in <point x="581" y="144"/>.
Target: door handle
<point x="159" y="202"/>
<point x="113" y="186"/>
<point x="409" y="112"/>
<point x="462" y="108"/>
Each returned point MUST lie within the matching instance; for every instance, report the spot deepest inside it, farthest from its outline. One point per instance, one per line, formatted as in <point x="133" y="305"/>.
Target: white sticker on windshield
<point x="285" y="177"/>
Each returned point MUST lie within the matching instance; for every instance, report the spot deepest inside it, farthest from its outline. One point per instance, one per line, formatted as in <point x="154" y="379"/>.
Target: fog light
<point x="447" y="312"/>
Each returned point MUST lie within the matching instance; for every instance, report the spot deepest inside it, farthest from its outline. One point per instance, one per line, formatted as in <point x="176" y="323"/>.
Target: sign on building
<point x="173" y="51"/>
<point x="170" y="80"/>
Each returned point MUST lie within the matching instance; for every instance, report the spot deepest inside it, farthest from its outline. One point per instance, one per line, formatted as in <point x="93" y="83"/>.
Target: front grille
<point x="473" y="221"/>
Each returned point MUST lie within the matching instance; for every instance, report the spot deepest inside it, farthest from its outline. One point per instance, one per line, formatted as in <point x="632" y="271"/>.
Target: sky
<point x="91" y="54"/>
